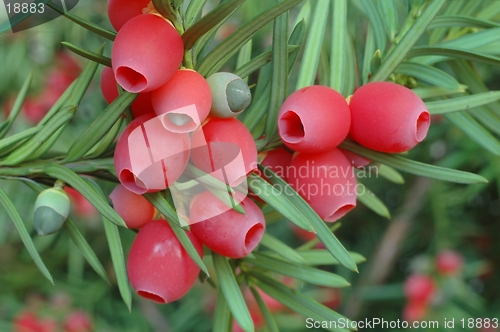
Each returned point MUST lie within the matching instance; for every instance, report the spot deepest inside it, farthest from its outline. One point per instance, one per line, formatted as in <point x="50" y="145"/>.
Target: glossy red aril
<point x="314" y="119"/>
<point x="148" y="157"/>
<point x="158" y="267"/>
<point x="415" y="311"/>
<point x="419" y="288"/>
<point x="226" y="149"/>
<point x="121" y="11"/>
<point x="356" y="160"/>
<point x="449" y="262"/>
<point x="134" y="209"/>
<point x="388" y="117"/>
<point x="80" y="205"/>
<point x="140" y="106"/>
<point x="183" y="102"/>
<point x="26" y="322"/>
<point x="223" y="230"/>
<point x="326" y="181"/>
<point x="146" y="53"/>
<point x="78" y="321"/>
<point x="278" y="161"/>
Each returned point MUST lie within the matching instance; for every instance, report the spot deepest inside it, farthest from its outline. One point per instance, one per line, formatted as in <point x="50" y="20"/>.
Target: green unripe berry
<point x="51" y="210"/>
<point x="230" y="95"/>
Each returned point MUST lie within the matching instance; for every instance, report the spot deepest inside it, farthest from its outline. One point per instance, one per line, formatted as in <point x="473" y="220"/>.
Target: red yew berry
<point x="224" y="230"/>
<point x="414" y="311"/>
<point x="78" y="321"/>
<point x="330" y="297"/>
<point x="148" y="157"/>
<point x="419" y="288"/>
<point x="226" y="149"/>
<point x="326" y="181"/>
<point x="278" y="161"/>
<point x="140" y="106"/>
<point x="183" y="102"/>
<point x="135" y="210"/>
<point x="34" y="109"/>
<point x="314" y="119"/>
<point x="388" y="117"/>
<point x="272" y="304"/>
<point x="305" y="236"/>
<point x="80" y="205"/>
<point x="121" y="11"/>
<point x="48" y="325"/>
<point x="146" y="53"/>
<point x="302" y="233"/>
<point x="257" y="318"/>
<point x="158" y="267"/>
<point x="449" y="262"/>
<point x="26" y="322"/>
<point x="356" y="160"/>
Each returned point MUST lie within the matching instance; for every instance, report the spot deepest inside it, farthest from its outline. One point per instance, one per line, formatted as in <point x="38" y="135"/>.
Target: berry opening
<point x="340" y="212"/>
<point x="423" y="123"/>
<point x="131" y="80"/>
<point x="179" y="122"/>
<point x="291" y="127"/>
<point x="151" y="296"/>
<point x="129" y="181"/>
<point x="253" y="236"/>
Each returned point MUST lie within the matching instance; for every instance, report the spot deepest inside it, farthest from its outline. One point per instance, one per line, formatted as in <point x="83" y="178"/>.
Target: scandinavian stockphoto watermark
<point x="26" y="14"/>
<point x="322" y="180"/>
<point x="381" y="323"/>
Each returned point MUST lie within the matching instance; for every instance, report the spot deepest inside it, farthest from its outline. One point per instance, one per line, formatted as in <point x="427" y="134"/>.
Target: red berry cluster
<point x="179" y="116"/>
<point x="55" y="315"/>
<point x="56" y="81"/>
<point x="314" y="120"/>
<point x="420" y="289"/>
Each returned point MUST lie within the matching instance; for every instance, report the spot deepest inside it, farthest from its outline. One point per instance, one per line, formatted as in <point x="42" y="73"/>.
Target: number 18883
<point x="477" y="323"/>
<point x="25" y="8"/>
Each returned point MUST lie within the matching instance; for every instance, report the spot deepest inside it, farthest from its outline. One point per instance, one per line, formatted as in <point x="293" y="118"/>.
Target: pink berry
<point x="140" y="106"/>
<point x="419" y="288"/>
<point x="49" y="325"/>
<point x="81" y="206"/>
<point x="272" y="304"/>
<point x="414" y="311"/>
<point x="34" y="109"/>
<point x="224" y="230"/>
<point x="356" y="160"/>
<point x="326" y="181"/>
<point x="146" y="53"/>
<point x="449" y="262"/>
<point x="121" y="11"/>
<point x="278" y="161"/>
<point x="257" y="318"/>
<point x="158" y="267"/>
<point x="135" y="210"/>
<point x="314" y="119"/>
<point x="388" y="117"/>
<point x="226" y="149"/>
<point x="148" y="157"/>
<point x="78" y="321"/>
<point x="26" y="322"/>
<point x="331" y="297"/>
<point x="183" y="102"/>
